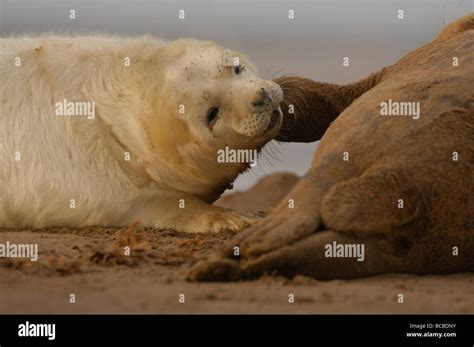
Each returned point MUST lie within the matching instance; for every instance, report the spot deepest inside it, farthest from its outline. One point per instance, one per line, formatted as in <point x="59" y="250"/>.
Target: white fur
<point x="172" y="155"/>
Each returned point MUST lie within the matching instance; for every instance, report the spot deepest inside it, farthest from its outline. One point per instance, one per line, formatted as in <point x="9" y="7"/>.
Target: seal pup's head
<point x="219" y="94"/>
<point x="209" y="98"/>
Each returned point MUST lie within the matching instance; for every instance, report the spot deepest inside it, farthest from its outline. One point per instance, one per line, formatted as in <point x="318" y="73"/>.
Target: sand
<point x="90" y="263"/>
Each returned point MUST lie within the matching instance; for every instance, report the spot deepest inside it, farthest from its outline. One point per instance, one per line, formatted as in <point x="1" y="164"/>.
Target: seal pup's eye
<point x="212" y="115"/>
<point x="238" y="69"/>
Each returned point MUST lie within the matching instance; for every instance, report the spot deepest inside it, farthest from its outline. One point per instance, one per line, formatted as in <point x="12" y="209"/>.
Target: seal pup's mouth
<point x="277" y="116"/>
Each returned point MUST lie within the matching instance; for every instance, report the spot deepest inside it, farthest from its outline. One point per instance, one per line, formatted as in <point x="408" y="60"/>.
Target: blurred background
<point x="312" y="44"/>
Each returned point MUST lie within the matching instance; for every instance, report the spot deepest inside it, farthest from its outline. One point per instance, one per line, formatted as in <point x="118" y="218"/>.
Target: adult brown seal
<point x="397" y="185"/>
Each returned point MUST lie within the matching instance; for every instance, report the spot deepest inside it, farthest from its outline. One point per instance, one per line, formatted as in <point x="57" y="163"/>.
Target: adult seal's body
<point x="387" y="191"/>
<point x="108" y="131"/>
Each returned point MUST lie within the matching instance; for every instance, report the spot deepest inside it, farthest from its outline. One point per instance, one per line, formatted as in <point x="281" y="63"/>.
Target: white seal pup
<point x="98" y="131"/>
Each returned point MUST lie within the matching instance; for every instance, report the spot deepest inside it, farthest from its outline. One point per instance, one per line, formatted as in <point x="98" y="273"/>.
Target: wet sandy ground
<point x="90" y="263"/>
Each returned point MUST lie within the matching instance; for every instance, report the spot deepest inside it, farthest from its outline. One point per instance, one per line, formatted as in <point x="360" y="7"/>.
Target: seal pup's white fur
<point x="72" y="170"/>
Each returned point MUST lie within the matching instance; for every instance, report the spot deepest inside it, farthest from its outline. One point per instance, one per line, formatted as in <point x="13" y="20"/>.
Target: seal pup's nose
<point x="264" y="98"/>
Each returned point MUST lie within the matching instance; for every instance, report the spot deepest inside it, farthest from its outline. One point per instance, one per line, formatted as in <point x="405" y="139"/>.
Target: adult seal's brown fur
<point x="405" y="191"/>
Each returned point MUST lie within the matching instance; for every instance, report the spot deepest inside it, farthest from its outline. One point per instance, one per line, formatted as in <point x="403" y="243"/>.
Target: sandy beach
<point x="90" y="263"/>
